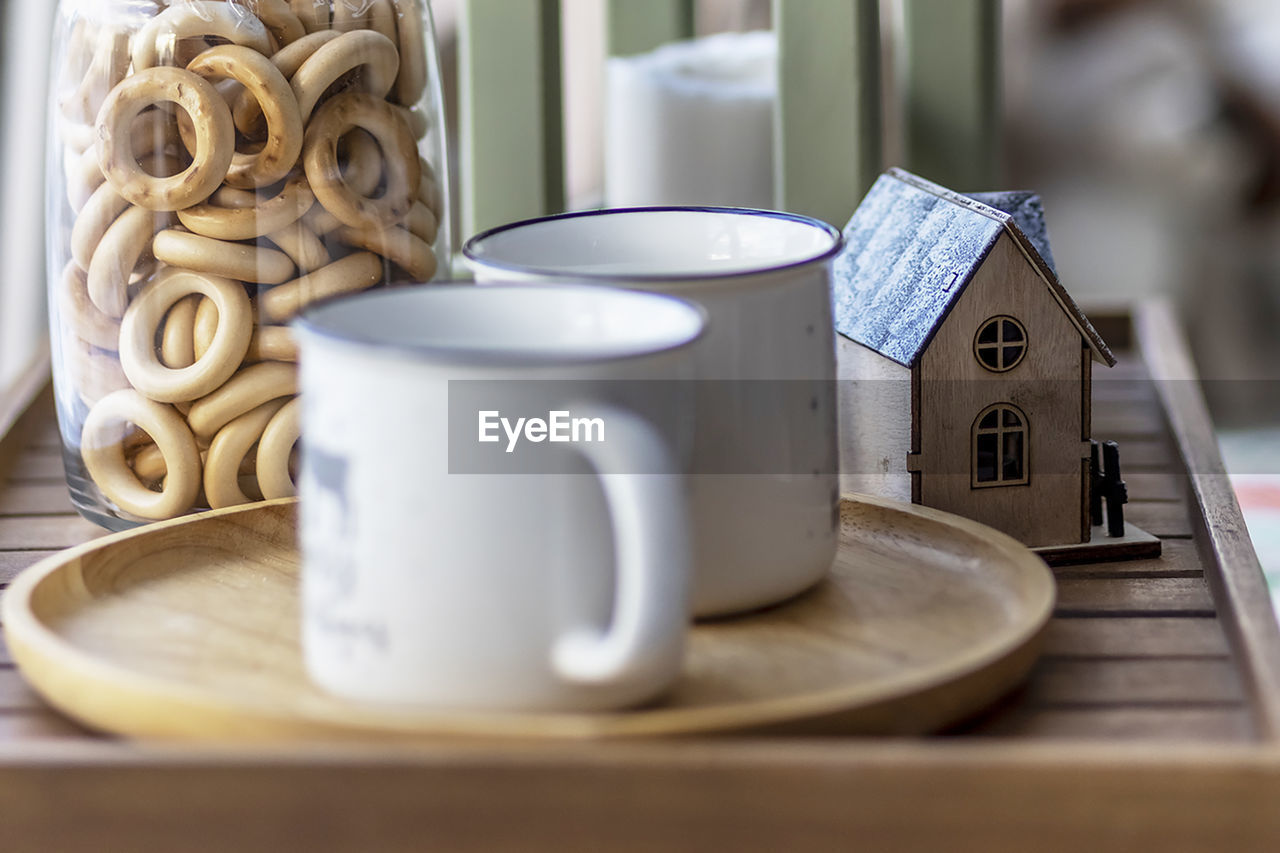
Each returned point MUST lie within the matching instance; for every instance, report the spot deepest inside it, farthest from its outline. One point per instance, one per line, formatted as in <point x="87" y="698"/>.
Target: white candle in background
<point x="692" y="123"/>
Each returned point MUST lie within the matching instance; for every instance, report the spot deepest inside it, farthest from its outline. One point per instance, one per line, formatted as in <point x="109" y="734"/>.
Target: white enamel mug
<point x="442" y="570"/>
<point x="767" y="365"/>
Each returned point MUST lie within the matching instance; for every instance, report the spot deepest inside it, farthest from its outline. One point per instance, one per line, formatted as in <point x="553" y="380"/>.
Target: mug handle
<point x="652" y="555"/>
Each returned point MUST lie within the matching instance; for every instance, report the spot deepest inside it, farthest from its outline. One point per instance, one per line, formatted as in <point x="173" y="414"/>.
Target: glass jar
<point x="216" y="166"/>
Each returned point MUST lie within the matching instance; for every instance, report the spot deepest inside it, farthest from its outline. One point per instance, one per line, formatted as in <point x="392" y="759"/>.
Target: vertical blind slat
<point x="511" y="111"/>
<point x="951" y="82"/>
<point x="828" y="111"/>
<point x="636" y="26"/>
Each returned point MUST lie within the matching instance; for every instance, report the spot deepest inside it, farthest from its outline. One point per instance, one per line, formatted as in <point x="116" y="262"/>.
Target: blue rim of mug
<point x="305" y="323"/>
<point x="837" y="245"/>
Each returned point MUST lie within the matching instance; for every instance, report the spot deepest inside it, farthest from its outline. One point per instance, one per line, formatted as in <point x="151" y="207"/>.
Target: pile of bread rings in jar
<point x="227" y="164"/>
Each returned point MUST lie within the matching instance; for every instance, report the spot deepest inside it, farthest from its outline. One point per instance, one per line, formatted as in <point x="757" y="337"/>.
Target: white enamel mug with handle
<point x="765" y="492"/>
<point x="443" y="566"/>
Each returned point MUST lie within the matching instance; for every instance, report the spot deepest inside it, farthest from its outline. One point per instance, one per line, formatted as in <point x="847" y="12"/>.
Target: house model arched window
<point x="1001" y="436"/>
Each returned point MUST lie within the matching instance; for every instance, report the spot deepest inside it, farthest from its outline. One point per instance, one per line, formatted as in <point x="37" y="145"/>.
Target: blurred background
<point x="1151" y="128"/>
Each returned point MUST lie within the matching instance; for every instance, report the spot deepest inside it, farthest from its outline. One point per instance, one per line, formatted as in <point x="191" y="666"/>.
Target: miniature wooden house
<point x="965" y="366"/>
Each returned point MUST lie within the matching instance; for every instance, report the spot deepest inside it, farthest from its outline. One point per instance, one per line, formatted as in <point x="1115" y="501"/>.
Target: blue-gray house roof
<point x="911" y="249"/>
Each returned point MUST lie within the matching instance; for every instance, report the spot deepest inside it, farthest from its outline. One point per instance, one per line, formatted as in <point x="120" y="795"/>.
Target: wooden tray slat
<point x="35" y="499"/>
<point x="46" y="533"/>
<point x="1140" y="596"/>
<point x="1175" y="682"/>
<point x="1126" y="637"/>
<point x="1123" y="724"/>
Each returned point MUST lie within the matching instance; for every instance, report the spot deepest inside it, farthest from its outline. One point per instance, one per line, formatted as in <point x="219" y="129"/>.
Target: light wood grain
<point x="874" y="412"/>
<point x="188" y="629"/>
<point x="46" y="533"/>
<point x="38" y="466"/>
<point x="15" y="694"/>
<point x="12" y="562"/>
<point x="38" y="724"/>
<point x="35" y="499"/>
<point x="1045" y="386"/>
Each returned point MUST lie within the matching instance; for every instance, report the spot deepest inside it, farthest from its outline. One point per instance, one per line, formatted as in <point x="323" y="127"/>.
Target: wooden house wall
<point x="955" y="389"/>
<point x="875" y="422"/>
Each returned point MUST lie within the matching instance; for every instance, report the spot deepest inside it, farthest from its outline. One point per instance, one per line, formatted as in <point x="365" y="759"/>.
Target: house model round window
<point x="1001" y="344"/>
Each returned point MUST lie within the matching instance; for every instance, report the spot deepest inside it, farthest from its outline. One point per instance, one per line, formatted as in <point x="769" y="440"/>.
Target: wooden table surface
<point x="1152" y="718"/>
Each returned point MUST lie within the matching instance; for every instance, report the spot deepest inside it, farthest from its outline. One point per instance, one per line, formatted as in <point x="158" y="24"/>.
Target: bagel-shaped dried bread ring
<point x="246" y="112"/>
<point x="229" y="448"/>
<point x="346" y="17"/>
<point x="285" y="26"/>
<point x="365" y="49"/>
<point x="196" y="19"/>
<point x="314" y="14"/>
<point x="148" y="309"/>
<point x="321" y="221"/>
<point x="355" y="272"/>
<point x="148" y="463"/>
<point x="107" y="67"/>
<point x="78" y="312"/>
<point x="334" y="120"/>
<point x="405" y="250"/>
<point x="83" y="175"/>
<point x="154" y="130"/>
<point x="94" y="373"/>
<point x="177" y="339"/>
<point x="361" y="161"/>
<point x="102" y="209"/>
<point x="382" y="19"/>
<point x="304" y="248"/>
<point x="103" y="453"/>
<point x="272" y="343"/>
<point x="214" y="129"/>
<point x="271" y="90"/>
<point x="416" y="120"/>
<point x="412" y="82"/>
<point x="249" y="223"/>
<point x="422" y="223"/>
<point x="224" y="258"/>
<point x="118" y="253"/>
<point x="204" y="328"/>
<point x="274" y="448"/>
<point x="248" y="389"/>
<point x="77" y="137"/>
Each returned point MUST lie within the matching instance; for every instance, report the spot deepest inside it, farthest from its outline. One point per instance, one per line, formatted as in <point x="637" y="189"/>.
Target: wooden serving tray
<point x="1151" y="721"/>
<point x="188" y="629"/>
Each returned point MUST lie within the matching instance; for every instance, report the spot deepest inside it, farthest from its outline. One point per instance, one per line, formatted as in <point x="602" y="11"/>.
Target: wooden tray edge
<point x="1232" y="569"/>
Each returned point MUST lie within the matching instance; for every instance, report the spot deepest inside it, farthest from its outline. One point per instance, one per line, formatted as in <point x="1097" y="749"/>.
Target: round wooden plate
<point x="188" y="629"/>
